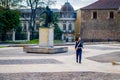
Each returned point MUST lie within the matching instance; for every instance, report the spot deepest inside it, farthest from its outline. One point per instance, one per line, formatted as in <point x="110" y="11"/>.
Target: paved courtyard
<point x="96" y="64"/>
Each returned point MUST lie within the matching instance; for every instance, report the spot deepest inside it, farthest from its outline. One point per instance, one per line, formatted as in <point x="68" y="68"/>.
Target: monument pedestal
<point x="46" y="37"/>
<point x="46" y="43"/>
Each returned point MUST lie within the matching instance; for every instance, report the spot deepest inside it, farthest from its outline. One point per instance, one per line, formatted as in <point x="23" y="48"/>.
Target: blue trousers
<point x="78" y="56"/>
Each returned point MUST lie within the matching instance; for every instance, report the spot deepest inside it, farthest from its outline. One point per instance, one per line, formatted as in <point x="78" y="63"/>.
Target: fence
<point x="24" y="36"/>
<point x="19" y="36"/>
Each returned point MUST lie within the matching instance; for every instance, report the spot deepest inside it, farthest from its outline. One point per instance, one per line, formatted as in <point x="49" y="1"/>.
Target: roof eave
<point x="101" y="9"/>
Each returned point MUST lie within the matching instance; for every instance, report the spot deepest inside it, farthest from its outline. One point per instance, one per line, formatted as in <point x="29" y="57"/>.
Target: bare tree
<point x="33" y="5"/>
<point x="9" y="3"/>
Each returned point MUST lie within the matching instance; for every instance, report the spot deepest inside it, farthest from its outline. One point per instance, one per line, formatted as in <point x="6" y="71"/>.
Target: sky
<point x="75" y="3"/>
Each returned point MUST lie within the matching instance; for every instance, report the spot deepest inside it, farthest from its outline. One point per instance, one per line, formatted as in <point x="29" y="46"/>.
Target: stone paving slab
<point x="29" y="61"/>
<point x="102" y="47"/>
<point x="18" y="51"/>
<point x="106" y="58"/>
<point x="61" y="76"/>
<point x="68" y="60"/>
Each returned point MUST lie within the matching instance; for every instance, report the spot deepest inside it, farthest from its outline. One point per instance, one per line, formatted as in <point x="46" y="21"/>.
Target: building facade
<point x="66" y="22"/>
<point x="100" y="21"/>
<point x="25" y="22"/>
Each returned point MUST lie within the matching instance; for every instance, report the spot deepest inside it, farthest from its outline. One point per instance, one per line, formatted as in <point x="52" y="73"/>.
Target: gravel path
<point x="61" y="76"/>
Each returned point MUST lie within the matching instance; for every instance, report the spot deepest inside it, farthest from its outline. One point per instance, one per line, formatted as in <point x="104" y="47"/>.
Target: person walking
<point x="78" y="48"/>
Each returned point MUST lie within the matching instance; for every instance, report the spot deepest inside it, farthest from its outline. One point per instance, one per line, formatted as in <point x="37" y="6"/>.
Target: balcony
<point x="23" y="19"/>
<point x="67" y="19"/>
<point x="68" y="31"/>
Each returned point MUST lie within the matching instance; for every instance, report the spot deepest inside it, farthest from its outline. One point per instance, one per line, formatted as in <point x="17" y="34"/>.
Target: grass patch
<point x="58" y="41"/>
<point x="35" y="41"/>
<point x="2" y="46"/>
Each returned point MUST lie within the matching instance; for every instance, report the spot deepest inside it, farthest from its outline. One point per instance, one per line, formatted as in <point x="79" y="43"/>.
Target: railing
<point x="66" y="18"/>
<point x="68" y="31"/>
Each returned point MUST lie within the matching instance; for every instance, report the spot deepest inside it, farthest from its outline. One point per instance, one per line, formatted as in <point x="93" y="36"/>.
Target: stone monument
<point x="46" y="37"/>
<point x="46" y="33"/>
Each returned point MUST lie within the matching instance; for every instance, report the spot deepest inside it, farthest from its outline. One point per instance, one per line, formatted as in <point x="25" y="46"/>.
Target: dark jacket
<point x="80" y="46"/>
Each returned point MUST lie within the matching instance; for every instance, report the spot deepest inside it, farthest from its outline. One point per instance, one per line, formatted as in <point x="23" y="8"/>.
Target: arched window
<point x="70" y="26"/>
<point x="64" y="26"/>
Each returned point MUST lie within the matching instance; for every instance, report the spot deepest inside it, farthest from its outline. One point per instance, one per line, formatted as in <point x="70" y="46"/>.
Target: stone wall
<point x="101" y="28"/>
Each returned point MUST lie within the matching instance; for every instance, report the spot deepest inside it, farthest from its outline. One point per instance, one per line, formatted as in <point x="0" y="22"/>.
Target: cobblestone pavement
<point x="96" y="64"/>
<point x="61" y="76"/>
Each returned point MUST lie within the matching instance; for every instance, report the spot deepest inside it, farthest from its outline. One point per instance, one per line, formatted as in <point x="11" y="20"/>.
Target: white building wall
<point x="27" y="26"/>
<point x="67" y="21"/>
<point x="60" y="24"/>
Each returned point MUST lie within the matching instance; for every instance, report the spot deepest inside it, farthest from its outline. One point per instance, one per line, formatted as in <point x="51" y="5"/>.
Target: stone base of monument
<point x="47" y="50"/>
<point x="46" y="45"/>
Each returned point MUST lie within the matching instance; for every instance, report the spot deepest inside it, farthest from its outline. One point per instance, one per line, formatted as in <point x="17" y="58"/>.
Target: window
<point x="70" y="26"/>
<point x="22" y="15"/>
<point x="94" y="15"/>
<point x="37" y="26"/>
<point x="64" y="37"/>
<point x="111" y="15"/>
<point x="64" y="26"/>
<point x="24" y="27"/>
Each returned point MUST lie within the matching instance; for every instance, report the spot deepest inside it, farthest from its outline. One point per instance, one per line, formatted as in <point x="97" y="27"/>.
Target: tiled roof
<point x="104" y="4"/>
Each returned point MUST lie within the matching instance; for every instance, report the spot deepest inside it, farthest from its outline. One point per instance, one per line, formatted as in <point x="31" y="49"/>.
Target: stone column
<point x="28" y="35"/>
<point x="13" y="36"/>
<point x="46" y="37"/>
<point x="67" y="37"/>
